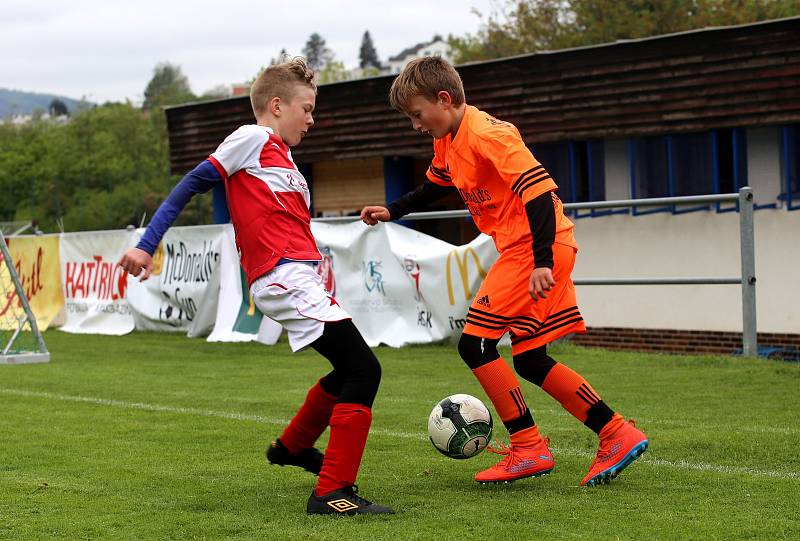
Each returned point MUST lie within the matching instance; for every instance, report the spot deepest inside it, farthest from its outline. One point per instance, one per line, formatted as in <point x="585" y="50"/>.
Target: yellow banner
<point x="37" y="262"/>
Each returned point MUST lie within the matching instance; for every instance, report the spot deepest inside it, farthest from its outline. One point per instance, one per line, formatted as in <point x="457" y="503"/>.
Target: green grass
<point x="156" y="436"/>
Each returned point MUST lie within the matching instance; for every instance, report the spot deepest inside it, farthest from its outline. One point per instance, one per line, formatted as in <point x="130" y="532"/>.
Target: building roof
<point x="746" y="75"/>
<point x="414" y="49"/>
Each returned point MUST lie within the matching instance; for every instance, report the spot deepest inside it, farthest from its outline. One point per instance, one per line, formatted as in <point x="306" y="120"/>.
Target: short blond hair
<point x="280" y="80"/>
<point x="426" y="77"/>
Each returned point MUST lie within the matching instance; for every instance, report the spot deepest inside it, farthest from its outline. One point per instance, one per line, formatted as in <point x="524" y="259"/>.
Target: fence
<point x="747" y="277"/>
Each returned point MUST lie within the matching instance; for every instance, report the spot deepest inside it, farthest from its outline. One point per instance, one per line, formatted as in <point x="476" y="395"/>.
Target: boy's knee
<point x="477" y="351"/>
<point x="332" y="383"/>
<point x="362" y="377"/>
<point x="534" y="365"/>
<point x="370" y="370"/>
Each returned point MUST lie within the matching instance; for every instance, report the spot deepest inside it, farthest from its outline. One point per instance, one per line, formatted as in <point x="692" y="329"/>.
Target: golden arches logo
<point x="462" y="265"/>
<point x="158" y="260"/>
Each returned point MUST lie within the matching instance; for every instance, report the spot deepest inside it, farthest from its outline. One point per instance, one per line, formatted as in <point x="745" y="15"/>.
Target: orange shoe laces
<point x="500" y="448"/>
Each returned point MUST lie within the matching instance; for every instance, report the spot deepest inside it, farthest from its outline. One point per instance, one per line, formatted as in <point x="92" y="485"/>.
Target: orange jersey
<point x="496" y="175"/>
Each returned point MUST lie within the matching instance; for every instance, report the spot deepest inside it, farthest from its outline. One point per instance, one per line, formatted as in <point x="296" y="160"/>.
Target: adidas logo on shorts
<point x="484" y="301"/>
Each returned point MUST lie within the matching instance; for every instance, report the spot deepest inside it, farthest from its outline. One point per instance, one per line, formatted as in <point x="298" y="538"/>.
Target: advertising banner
<point x="36" y="260"/>
<point x="94" y="286"/>
<point x="399" y="285"/>
<point x="183" y="266"/>
<point x="237" y="318"/>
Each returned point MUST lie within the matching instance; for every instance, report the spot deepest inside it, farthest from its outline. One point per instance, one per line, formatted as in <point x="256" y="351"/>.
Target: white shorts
<point x="293" y="295"/>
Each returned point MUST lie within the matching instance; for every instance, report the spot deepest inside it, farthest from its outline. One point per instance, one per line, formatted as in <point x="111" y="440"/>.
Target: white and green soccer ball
<point x="460" y="426"/>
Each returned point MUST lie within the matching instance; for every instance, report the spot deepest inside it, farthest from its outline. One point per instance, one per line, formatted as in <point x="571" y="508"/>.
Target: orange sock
<point x="577" y="397"/>
<point x="502" y="387"/>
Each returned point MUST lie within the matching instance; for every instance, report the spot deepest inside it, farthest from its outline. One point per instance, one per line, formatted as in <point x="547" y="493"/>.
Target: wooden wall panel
<point x="693" y="81"/>
<point x="347" y="184"/>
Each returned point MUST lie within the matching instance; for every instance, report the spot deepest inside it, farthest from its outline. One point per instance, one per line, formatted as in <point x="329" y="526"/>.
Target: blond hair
<point x="280" y="80"/>
<point x="426" y="77"/>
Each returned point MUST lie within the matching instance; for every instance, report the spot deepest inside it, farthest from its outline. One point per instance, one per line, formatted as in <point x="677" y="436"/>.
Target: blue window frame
<point x="687" y="164"/>
<point x="790" y="166"/>
<point x="578" y="168"/>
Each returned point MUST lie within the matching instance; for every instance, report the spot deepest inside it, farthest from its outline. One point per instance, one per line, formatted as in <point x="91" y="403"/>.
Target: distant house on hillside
<point x="240" y="89"/>
<point x="436" y="47"/>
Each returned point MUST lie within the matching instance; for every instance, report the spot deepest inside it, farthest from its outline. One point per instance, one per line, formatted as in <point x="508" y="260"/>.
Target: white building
<point x="436" y="47"/>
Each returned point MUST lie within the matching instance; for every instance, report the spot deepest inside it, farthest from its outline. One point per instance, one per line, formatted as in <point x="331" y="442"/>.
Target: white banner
<point x="237" y="318"/>
<point x="94" y="287"/>
<point x="183" y="266"/>
<point x="402" y="286"/>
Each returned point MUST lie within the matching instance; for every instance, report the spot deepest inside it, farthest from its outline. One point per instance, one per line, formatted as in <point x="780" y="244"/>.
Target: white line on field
<point x="680" y="464"/>
<point x="644" y="421"/>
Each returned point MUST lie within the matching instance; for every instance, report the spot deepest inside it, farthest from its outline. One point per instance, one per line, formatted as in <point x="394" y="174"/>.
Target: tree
<point x="218" y="92"/>
<point x="57" y="108"/>
<point x="368" y="56"/>
<point x="283" y="56"/>
<point x="168" y="86"/>
<point x="316" y="52"/>
<point x="527" y="26"/>
<point x="332" y="72"/>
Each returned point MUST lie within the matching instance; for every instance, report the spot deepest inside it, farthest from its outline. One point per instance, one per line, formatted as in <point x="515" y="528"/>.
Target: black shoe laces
<point x="352" y="491"/>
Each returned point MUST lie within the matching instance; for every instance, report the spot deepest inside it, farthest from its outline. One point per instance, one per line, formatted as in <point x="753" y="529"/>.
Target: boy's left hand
<point x="541" y="281"/>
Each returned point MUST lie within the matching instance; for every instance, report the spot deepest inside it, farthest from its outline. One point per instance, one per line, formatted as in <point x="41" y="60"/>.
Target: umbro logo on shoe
<point x="342" y="505"/>
<point x="484" y="301"/>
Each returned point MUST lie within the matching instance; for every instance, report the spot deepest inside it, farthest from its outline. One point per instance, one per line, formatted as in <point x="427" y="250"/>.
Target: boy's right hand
<point x="136" y="262"/>
<point x="373" y="215"/>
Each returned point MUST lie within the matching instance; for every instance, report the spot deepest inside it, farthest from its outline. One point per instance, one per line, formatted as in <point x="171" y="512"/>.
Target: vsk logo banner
<point x="373" y="277"/>
<point x="414" y="272"/>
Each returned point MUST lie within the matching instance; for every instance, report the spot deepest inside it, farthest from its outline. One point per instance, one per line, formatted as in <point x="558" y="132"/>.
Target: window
<point x="577" y="167"/>
<point x="687" y="164"/>
<point x="556" y="159"/>
<point x="790" y="166"/>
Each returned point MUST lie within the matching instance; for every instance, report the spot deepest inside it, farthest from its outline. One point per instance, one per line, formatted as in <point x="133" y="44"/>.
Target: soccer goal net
<point x="20" y="339"/>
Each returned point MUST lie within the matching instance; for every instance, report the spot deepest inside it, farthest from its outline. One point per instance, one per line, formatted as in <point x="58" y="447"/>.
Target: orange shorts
<point x="504" y="304"/>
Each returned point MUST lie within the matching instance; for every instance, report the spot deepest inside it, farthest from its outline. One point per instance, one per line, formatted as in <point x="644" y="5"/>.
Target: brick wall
<point x="677" y="341"/>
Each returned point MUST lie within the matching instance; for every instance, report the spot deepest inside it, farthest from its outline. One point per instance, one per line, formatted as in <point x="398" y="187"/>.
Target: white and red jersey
<point x="268" y="199"/>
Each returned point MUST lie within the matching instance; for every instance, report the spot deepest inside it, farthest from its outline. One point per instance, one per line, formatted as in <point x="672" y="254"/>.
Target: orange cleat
<point x="617" y="451"/>
<point x="519" y="462"/>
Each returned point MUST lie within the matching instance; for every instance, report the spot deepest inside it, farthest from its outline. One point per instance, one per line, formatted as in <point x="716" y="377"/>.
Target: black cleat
<point x="308" y="459"/>
<point x="344" y="501"/>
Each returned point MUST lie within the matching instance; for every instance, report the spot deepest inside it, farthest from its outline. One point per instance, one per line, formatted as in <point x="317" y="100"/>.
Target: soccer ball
<point x="460" y="426"/>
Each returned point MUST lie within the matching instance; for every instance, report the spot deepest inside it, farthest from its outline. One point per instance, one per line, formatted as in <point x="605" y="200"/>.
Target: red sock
<point x="310" y="421"/>
<point x="500" y="383"/>
<point x="349" y="429"/>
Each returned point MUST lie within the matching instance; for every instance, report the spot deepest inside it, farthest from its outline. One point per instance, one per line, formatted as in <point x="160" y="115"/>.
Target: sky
<point x="106" y="50"/>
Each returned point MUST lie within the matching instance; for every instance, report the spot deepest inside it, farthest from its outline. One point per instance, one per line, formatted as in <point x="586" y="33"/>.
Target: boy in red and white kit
<point x="269" y="203"/>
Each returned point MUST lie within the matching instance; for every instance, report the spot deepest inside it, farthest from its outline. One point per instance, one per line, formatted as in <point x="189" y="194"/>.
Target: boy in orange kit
<point x="269" y="201"/>
<point x="528" y="292"/>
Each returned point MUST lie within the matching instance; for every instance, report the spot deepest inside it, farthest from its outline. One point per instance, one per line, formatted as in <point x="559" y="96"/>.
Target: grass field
<point x="156" y="436"/>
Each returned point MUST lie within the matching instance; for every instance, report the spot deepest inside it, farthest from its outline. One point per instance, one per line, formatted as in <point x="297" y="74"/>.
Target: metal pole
<point x="747" y="243"/>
